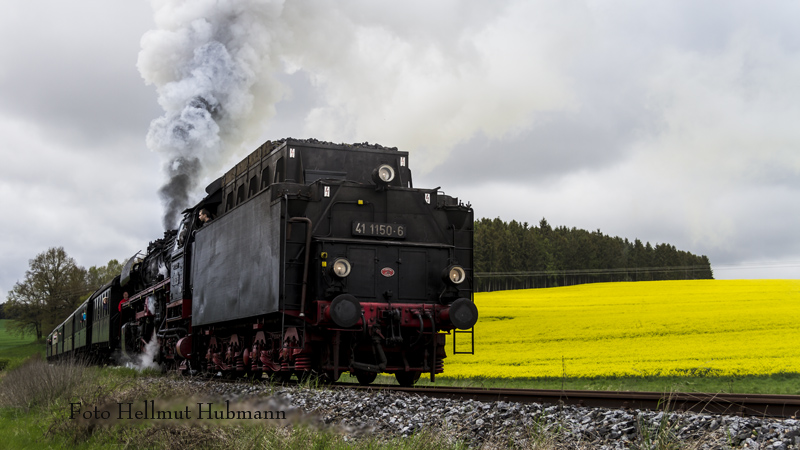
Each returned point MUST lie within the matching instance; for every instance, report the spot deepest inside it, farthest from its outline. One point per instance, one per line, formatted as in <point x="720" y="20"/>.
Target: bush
<point x="37" y="384"/>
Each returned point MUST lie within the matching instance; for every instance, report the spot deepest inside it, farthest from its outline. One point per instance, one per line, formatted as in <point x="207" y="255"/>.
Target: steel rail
<point x="754" y="405"/>
<point x="760" y="405"/>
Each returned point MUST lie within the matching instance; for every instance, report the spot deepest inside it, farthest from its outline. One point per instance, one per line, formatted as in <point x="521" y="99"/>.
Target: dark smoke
<point x="183" y="176"/>
<point x="192" y="134"/>
<point x="183" y="172"/>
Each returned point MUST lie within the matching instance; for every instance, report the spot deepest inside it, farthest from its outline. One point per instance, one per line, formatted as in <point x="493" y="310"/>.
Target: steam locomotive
<point x="318" y="259"/>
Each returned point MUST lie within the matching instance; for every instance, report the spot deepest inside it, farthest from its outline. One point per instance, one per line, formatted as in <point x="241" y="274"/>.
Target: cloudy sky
<point x="667" y="121"/>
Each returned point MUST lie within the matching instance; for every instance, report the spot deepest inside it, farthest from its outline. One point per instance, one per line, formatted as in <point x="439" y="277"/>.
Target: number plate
<point x="387" y="230"/>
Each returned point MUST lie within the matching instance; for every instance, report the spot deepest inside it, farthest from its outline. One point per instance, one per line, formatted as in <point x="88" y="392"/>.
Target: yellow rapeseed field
<point x="659" y="328"/>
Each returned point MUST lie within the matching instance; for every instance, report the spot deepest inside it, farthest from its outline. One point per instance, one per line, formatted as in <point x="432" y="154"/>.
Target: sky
<point x="669" y="121"/>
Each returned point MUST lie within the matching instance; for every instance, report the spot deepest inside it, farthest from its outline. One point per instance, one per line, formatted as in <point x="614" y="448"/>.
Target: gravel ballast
<point x="357" y="413"/>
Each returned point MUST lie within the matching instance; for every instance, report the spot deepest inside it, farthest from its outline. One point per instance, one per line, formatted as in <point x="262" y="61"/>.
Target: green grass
<point x="29" y="431"/>
<point x="8" y="340"/>
<point x="787" y="384"/>
<point x="22" y="431"/>
<point x="14" y="350"/>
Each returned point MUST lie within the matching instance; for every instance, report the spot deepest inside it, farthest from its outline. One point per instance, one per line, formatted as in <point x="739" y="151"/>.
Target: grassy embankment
<point x="57" y="406"/>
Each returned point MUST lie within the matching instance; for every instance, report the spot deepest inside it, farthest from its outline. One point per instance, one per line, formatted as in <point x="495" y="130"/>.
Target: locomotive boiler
<point x="307" y="259"/>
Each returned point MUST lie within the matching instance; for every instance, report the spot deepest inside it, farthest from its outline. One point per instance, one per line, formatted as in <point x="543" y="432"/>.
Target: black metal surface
<point x="311" y="161"/>
<point x="386" y="266"/>
<point x="236" y="265"/>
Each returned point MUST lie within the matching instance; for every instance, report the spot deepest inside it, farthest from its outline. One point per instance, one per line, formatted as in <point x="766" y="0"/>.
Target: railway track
<point x="518" y="415"/>
<point x="757" y="405"/>
<point x="753" y="405"/>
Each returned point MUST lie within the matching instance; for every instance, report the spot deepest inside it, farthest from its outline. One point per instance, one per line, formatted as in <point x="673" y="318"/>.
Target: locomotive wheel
<point x="407" y="379"/>
<point x="365" y="378"/>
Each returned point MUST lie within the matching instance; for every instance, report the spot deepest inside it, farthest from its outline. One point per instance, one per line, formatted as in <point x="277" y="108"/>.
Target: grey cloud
<point x="556" y="144"/>
<point x="73" y="67"/>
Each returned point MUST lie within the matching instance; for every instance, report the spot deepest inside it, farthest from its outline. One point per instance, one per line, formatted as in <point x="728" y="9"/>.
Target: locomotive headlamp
<point x="383" y="174"/>
<point x="341" y="268"/>
<point x="455" y="275"/>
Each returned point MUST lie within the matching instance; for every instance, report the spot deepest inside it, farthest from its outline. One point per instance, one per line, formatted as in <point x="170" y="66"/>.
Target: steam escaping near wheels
<point x="148" y="359"/>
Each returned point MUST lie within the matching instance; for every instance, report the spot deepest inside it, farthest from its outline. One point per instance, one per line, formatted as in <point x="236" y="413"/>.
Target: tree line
<point x="53" y="287"/>
<point x="513" y="255"/>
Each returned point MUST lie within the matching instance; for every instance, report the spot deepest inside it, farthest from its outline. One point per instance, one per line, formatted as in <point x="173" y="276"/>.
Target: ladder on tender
<point x="471" y="333"/>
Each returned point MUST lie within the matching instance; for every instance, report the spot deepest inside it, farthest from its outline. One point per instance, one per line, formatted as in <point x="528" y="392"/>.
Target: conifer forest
<point x="513" y="255"/>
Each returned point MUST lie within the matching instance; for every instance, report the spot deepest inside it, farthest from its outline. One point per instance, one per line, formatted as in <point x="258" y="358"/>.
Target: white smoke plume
<point x="206" y="60"/>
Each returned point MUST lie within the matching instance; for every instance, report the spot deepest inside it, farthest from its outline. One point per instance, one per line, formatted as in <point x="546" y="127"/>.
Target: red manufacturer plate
<point x="387" y="272"/>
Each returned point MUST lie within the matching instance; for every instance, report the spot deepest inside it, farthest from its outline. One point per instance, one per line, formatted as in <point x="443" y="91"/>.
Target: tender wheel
<point x="407" y="379"/>
<point x="365" y="378"/>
